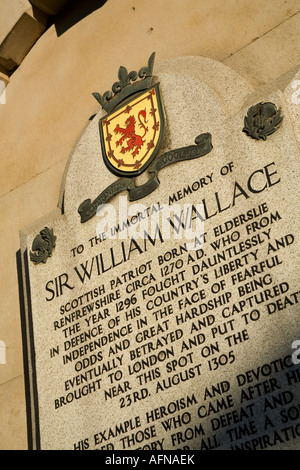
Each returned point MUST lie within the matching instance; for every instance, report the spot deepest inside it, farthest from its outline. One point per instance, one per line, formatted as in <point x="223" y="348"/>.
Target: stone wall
<point x="59" y="54"/>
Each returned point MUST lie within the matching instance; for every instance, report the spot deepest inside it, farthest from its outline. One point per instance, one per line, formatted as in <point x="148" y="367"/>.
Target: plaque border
<point x="29" y="364"/>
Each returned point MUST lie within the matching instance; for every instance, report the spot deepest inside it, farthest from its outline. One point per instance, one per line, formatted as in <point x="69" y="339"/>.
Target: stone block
<point x="4" y="78"/>
<point x="24" y="33"/>
<point x="292" y="96"/>
<point x="10" y="13"/>
<point x="16" y="208"/>
<point x="280" y="43"/>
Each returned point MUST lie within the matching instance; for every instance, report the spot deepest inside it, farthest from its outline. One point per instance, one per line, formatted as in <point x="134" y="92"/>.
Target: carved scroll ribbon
<point x="203" y="146"/>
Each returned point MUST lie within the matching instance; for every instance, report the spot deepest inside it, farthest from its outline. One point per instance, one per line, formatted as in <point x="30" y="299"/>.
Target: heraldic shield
<point x="131" y="135"/>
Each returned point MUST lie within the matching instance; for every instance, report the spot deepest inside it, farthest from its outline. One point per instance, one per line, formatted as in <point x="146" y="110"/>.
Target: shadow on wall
<point x="74" y="12"/>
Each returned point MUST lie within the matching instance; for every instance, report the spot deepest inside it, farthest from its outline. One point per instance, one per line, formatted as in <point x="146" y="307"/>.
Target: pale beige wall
<point x="49" y="100"/>
<point x="10" y="14"/>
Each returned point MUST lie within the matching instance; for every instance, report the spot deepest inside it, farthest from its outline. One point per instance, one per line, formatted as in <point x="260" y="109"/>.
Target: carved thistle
<point x="262" y="120"/>
<point x="42" y="246"/>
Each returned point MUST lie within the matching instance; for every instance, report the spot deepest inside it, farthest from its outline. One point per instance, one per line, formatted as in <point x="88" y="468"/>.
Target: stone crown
<point x="126" y="86"/>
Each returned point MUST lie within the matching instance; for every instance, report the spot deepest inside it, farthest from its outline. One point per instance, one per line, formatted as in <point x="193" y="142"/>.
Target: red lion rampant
<point x="134" y="141"/>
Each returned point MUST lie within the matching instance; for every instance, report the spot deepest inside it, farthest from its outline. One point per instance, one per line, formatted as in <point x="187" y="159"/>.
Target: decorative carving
<point x="126" y="85"/>
<point x="262" y="120"/>
<point x="128" y="151"/>
<point x="42" y="246"/>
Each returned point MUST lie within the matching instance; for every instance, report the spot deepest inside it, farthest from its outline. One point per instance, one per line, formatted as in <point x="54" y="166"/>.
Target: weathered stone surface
<point x="252" y="60"/>
<point x="231" y="88"/>
<point x="20" y="39"/>
<point x="4" y="78"/>
<point x="10" y="15"/>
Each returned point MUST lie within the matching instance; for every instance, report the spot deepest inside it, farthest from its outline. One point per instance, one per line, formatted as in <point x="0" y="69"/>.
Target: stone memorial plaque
<point x="160" y="301"/>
